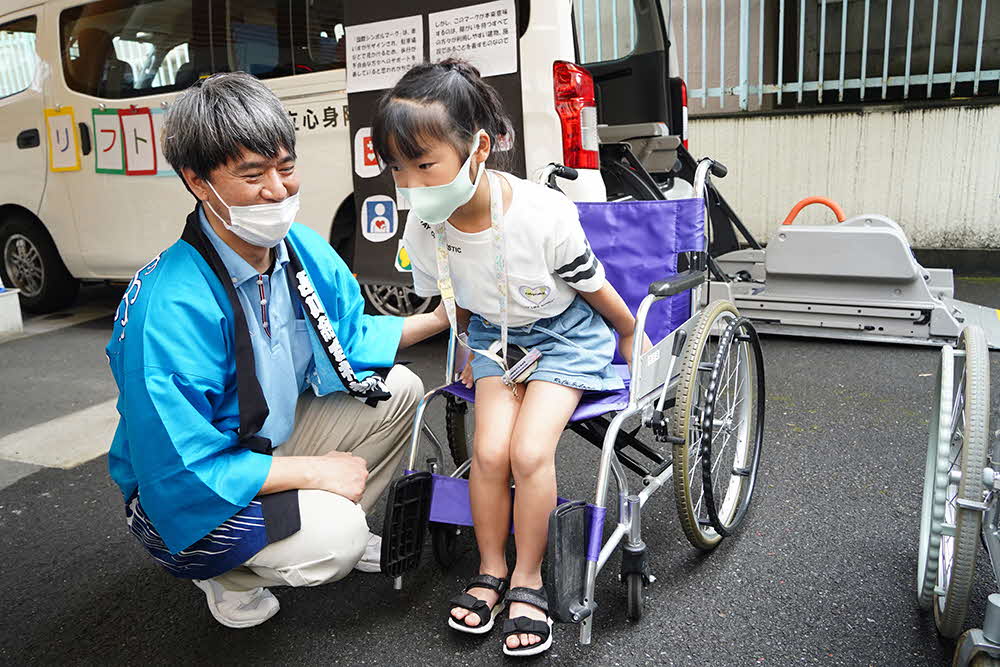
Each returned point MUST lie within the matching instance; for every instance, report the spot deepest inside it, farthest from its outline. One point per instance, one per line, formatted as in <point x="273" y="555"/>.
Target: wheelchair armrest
<point x="677" y="284"/>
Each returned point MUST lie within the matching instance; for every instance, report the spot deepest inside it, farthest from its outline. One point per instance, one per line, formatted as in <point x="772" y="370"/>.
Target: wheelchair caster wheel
<point x="634" y="584"/>
<point x="445" y="539"/>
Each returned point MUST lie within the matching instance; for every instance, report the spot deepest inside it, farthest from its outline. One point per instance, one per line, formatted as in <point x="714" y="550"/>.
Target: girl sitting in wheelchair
<point x="518" y="279"/>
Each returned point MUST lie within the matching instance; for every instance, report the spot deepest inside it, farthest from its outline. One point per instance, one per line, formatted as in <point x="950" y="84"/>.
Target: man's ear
<point x="195" y="184"/>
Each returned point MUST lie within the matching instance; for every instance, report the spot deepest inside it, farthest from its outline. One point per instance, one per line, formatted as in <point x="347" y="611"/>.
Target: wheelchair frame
<point x="654" y="378"/>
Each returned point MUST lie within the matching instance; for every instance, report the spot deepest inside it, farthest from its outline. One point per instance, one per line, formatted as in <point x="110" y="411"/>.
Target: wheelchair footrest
<point x="574" y="536"/>
<point x="405" y="526"/>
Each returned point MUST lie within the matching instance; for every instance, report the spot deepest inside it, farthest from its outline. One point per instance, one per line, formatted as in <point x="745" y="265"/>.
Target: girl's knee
<point x="491" y="458"/>
<point x="527" y="460"/>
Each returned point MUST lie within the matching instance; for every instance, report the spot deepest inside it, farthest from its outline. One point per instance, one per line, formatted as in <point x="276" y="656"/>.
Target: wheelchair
<point x="960" y="507"/>
<point x="697" y="397"/>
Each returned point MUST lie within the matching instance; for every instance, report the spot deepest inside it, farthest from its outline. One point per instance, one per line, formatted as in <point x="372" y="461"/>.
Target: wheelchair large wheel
<point x="968" y="429"/>
<point x="935" y="495"/>
<point x="717" y="422"/>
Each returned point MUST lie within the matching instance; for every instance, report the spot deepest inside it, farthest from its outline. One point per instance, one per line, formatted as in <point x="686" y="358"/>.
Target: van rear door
<point x="624" y="45"/>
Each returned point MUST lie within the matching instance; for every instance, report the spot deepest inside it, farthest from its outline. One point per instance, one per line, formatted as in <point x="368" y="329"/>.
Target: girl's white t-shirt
<point x="548" y="257"/>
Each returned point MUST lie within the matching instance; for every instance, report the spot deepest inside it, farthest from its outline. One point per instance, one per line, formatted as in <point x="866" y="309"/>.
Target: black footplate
<point x="408" y="505"/>
<point x="567" y="563"/>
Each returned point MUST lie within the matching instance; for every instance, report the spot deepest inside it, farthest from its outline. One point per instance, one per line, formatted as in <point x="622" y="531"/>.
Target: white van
<point x="85" y="194"/>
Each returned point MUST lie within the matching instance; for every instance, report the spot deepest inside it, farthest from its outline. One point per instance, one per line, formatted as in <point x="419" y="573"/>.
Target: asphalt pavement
<point x="822" y="572"/>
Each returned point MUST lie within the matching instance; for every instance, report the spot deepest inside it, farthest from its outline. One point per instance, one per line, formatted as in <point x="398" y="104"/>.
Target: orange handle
<point x="833" y="206"/>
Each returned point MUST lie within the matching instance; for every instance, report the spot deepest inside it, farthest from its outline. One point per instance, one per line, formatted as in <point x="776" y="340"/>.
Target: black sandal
<point x="529" y="626"/>
<point x="478" y="607"/>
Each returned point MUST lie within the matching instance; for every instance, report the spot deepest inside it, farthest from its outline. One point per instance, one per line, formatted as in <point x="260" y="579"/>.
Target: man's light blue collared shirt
<point x="283" y="359"/>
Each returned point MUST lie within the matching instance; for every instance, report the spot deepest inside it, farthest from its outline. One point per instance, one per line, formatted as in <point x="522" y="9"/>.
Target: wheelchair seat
<point x="593" y="404"/>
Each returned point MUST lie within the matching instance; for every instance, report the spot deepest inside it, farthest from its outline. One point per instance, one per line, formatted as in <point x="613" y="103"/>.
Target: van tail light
<point x="684" y="114"/>
<point x="577" y="109"/>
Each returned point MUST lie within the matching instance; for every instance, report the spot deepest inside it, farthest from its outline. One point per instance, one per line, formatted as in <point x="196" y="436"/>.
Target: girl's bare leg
<point x="544" y="413"/>
<point x="489" y="483"/>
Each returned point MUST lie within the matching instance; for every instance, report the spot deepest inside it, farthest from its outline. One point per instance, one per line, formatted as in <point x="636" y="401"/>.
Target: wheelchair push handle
<point x="562" y="171"/>
<point x="553" y="170"/>
<point x="830" y="204"/>
<point x="706" y="166"/>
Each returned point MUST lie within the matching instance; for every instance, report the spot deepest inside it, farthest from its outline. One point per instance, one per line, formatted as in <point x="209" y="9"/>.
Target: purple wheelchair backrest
<point x="638" y="242"/>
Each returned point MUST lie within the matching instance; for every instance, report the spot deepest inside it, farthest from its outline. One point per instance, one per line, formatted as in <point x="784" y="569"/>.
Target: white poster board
<point x="380" y="53"/>
<point x="485" y="35"/>
<point x="140" y="146"/>
<point x="109" y="156"/>
<point x="64" y="150"/>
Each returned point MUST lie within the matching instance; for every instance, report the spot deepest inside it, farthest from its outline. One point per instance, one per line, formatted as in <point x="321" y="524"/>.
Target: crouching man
<point x="261" y="413"/>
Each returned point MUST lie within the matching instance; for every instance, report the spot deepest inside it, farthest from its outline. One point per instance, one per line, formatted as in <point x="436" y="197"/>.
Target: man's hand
<point x="418" y="327"/>
<point x="342" y="473"/>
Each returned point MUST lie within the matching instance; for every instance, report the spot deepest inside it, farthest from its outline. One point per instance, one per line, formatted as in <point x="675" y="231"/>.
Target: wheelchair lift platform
<point x="855" y="280"/>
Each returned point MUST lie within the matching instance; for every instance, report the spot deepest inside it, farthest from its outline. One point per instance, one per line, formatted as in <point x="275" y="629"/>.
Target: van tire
<point x="25" y="244"/>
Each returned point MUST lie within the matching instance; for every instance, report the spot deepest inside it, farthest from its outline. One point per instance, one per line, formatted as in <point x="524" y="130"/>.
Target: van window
<point x="178" y="57"/>
<point x="17" y="55"/>
<point x="127" y="48"/>
<point x="604" y="30"/>
<point x="259" y="37"/>
<point x="322" y="45"/>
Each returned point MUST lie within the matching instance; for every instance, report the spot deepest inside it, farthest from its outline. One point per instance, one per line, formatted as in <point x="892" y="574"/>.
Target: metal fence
<point x="824" y="51"/>
<point x="17" y="61"/>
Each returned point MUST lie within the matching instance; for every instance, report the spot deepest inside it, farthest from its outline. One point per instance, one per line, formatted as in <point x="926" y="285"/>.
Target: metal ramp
<point x="855" y="280"/>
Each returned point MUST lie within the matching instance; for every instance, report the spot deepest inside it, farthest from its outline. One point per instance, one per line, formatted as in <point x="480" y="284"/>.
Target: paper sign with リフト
<point x="140" y="144"/>
<point x="109" y="155"/>
<point x="64" y="148"/>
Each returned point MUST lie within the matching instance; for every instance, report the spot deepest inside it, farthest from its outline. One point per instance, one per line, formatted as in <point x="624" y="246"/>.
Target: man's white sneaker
<point x="371" y="561"/>
<point x="238" y="609"/>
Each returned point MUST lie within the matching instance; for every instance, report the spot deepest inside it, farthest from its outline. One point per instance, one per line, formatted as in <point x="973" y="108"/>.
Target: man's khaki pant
<point x="334" y="530"/>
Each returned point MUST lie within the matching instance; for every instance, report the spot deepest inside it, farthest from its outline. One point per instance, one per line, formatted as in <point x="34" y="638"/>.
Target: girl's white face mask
<point x="435" y="203"/>
<point x="262" y="225"/>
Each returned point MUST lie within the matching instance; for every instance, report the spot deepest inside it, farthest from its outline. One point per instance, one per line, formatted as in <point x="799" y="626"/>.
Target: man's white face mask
<point x="262" y="225"/>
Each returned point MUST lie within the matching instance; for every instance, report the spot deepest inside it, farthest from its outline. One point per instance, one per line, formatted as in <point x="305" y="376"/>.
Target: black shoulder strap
<point x="373" y="388"/>
<point x="253" y="406"/>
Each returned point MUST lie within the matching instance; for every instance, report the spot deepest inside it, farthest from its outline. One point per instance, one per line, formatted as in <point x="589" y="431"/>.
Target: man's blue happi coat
<point x="172" y="355"/>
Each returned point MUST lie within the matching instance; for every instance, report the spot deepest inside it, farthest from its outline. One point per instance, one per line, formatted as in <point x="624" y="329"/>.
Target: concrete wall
<point x="935" y="171"/>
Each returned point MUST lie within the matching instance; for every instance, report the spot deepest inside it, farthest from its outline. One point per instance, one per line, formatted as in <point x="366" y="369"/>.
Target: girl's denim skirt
<point x="577" y="347"/>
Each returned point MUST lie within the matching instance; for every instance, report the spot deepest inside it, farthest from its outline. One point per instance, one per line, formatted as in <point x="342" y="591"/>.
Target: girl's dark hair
<point x="446" y="101"/>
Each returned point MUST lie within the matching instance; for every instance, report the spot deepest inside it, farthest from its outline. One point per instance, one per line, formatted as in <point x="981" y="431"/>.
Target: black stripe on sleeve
<point x="576" y="263"/>
<point x="583" y="275"/>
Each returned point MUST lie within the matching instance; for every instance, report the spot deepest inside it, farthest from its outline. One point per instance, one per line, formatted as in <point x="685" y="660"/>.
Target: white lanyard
<point x="500" y="253"/>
